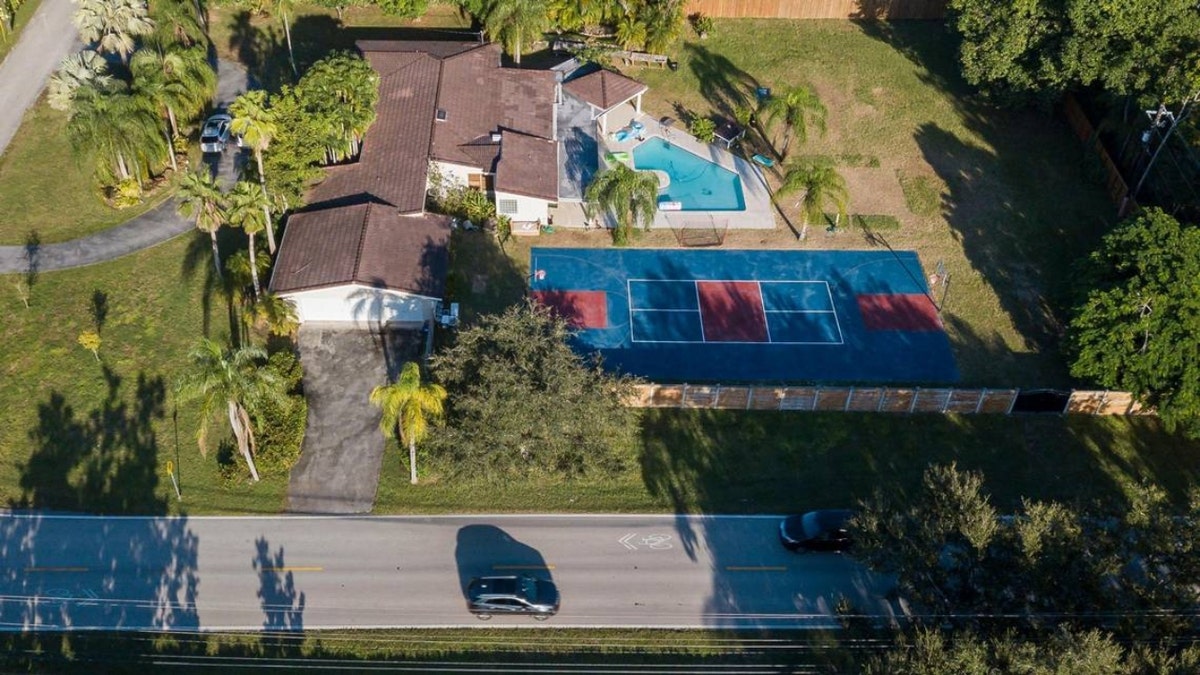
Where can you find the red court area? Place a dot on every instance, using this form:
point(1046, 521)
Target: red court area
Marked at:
point(581, 309)
point(732, 311)
point(914, 312)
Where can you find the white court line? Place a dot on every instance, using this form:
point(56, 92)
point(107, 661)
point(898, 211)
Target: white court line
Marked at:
point(762, 304)
point(840, 340)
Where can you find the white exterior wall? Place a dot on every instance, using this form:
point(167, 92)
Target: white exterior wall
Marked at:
point(529, 209)
point(364, 306)
point(454, 174)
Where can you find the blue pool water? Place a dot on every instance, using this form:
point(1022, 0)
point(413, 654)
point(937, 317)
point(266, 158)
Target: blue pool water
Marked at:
point(696, 183)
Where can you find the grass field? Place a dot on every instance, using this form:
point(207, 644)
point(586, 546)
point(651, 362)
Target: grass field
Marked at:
point(82, 434)
point(45, 189)
point(1000, 197)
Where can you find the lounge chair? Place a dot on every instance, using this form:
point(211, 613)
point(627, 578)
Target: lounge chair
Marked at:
point(763, 160)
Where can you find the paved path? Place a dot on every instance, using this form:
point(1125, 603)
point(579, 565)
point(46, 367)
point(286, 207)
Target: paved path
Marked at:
point(295, 573)
point(338, 470)
point(156, 226)
point(45, 41)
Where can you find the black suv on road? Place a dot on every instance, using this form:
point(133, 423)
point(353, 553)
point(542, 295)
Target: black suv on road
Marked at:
point(488, 596)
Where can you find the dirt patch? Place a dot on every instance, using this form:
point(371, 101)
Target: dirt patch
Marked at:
point(874, 191)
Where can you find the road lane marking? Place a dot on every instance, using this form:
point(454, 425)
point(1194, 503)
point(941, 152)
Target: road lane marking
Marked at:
point(29, 570)
point(522, 567)
point(292, 568)
point(756, 568)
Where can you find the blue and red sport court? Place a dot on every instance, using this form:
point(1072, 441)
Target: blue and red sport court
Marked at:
point(677, 315)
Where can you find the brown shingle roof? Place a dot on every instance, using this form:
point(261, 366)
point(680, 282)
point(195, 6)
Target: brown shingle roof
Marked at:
point(368, 244)
point(480, 97)
point(521, 169)
point(604, 88)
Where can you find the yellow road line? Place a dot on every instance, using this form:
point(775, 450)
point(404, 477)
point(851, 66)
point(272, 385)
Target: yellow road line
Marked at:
point(522, 567)
point(55, 569)
point(760, 568)
point(293, 568)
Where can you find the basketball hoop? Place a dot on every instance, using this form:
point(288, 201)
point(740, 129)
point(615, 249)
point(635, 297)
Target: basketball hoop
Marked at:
point(539, 275)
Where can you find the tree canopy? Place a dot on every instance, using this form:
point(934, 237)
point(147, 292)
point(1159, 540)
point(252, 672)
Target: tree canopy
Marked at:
point(1133, 47)
point(1139, 328)
point(522, 402)
point(961, 562)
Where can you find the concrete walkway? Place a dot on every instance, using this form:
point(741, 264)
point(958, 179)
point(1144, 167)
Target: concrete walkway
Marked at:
point(156, 226)
point(44, 43)
point(339, 465)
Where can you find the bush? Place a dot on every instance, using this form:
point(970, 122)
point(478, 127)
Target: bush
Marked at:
point(701, 23)
point(279, 426)
point(703, 129)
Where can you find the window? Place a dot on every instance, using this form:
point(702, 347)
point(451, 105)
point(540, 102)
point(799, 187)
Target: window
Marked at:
point(441, 115)
point(507, 207)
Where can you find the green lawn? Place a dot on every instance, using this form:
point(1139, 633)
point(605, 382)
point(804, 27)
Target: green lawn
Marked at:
point(771, 462)
point(45, 189)
point(95, 436)
point(1002, 198)
point(24, 14)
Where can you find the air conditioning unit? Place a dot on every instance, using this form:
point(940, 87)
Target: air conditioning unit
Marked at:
point(450, 319)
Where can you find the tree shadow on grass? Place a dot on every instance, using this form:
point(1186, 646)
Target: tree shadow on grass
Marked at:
point(482, 276)
point(198, 259)
point(59, 573)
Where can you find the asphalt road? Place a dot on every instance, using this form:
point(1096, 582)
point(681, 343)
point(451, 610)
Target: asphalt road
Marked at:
point(295, 573)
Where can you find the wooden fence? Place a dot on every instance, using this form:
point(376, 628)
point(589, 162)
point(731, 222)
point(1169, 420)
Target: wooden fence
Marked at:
point(870, 399)
point(819, 9)
point(1114, 182)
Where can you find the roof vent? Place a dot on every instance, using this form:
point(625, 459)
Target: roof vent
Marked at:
point(441, 114)
point(496, 136)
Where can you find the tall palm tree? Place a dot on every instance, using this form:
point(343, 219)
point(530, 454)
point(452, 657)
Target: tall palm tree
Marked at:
point(86, 67)
point(631, 32)
point(177, 24)
point(797, 107)
point(200, 198)
point(113, 25)
point(121, 129)
point(284, 8)
point(632, 196)
point(515, 23)
point(179, 80)
point(821, 184)
point(664, 24)
point(254, 121)
point(342, 91)
point(248, 210)
point(409, 406)
point(234, 378)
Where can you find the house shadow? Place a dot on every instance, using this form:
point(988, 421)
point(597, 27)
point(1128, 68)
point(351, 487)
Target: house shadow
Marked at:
point(486, 550)
point(86, 574)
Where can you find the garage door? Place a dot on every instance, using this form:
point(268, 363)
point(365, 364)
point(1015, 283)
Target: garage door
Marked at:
point(366, 307)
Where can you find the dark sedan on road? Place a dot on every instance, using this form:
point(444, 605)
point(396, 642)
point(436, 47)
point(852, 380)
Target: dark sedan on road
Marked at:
point(817, 531)
point(489, 596)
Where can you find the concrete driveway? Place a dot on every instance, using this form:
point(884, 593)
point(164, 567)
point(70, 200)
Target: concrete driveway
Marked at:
point(338, 471)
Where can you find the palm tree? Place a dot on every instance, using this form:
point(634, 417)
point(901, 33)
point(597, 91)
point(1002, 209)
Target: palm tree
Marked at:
point(821, 184)
point(797, 107)
point(631, 32)
point(284, 7)
point(342, 90)
point(81, 68)
point(232, 377)
point(177, 23)
point(515, 23)
point(200, 198)
point(121, 129)
point(632, 196)
point(664, 23)
point(409, 406)
point(248, 210)
point(255, 123)
point(179, 80)
point(276, 313)
point(113, 25)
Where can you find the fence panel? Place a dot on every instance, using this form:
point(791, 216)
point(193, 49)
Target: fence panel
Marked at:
point(869, 399)
point(820, 9)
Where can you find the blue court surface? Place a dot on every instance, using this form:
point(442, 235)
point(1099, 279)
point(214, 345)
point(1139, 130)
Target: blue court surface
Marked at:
point(677, 315)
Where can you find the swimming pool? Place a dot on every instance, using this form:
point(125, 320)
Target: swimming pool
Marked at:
point(696, 183)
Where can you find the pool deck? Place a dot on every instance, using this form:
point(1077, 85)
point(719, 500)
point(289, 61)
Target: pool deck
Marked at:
point(759, 213)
